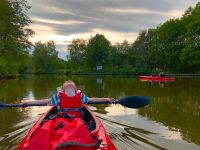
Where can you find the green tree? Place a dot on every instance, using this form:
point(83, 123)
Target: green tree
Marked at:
point(120, 53)
point(97, 51)
point(167, 44)
point(116, 58)
point(77, 52)
point(124, 57)
point(140, 48)
point(45, 57)
point(14, 34)
point(190, 54)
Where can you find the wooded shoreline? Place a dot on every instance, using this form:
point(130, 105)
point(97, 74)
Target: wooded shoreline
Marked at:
point(172, 47)
point(99, 74)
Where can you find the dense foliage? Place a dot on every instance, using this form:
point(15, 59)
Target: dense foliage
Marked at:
point(77, 51)
point(15, 57)
point(45, 58)
point(14, 36)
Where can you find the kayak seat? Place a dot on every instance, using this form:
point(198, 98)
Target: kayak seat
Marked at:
point(154, 75)
point(91, 125)
point(88, 119)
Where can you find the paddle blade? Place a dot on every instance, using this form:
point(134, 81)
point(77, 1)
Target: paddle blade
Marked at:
point(1, 106)
point(134, 101)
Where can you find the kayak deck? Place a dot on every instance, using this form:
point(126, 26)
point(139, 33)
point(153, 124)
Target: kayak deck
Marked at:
point(93, 124)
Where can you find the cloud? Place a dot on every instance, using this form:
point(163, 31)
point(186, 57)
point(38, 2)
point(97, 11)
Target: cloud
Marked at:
point(64, 20)
point(57, 22)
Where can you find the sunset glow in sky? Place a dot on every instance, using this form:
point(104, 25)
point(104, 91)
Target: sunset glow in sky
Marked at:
point(64, 20)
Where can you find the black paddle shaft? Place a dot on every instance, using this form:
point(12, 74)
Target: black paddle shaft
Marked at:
point(130, 101)
point(22, 105)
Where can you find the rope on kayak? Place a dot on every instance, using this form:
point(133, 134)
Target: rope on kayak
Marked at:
point(68, 144)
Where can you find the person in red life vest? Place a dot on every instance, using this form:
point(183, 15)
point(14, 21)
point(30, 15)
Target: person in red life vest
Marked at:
point(70, 99)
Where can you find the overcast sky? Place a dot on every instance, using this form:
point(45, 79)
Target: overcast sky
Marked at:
point(64, 20)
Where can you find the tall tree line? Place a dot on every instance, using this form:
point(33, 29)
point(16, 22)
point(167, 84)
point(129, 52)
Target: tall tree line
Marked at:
point(173, 47)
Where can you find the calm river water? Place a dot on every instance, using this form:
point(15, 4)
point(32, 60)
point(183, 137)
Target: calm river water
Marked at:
point(171, 121)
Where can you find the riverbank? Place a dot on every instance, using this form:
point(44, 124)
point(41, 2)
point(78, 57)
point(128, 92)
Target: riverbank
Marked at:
point(131, 73)
point(8, 77)
point(184, 75)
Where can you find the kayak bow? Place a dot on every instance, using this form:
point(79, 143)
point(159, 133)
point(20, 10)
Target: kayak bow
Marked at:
point(96, 138)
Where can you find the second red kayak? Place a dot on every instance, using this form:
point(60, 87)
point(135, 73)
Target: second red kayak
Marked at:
point(156, 78)
point(55, 131)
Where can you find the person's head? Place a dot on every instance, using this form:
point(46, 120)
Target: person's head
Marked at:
point(69, 88)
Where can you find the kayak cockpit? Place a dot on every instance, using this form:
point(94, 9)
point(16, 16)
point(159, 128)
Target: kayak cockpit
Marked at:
point(87, 117)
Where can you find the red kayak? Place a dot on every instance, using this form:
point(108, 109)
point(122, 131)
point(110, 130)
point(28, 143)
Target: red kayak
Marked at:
point(59, 131)
point(156, 78)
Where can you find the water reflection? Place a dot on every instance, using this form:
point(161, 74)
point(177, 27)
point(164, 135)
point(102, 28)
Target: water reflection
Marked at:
point(126, 133)
point(172, 118)
point(155, 83)
point(177, 114)
point(117, 110)
point(99, 80)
